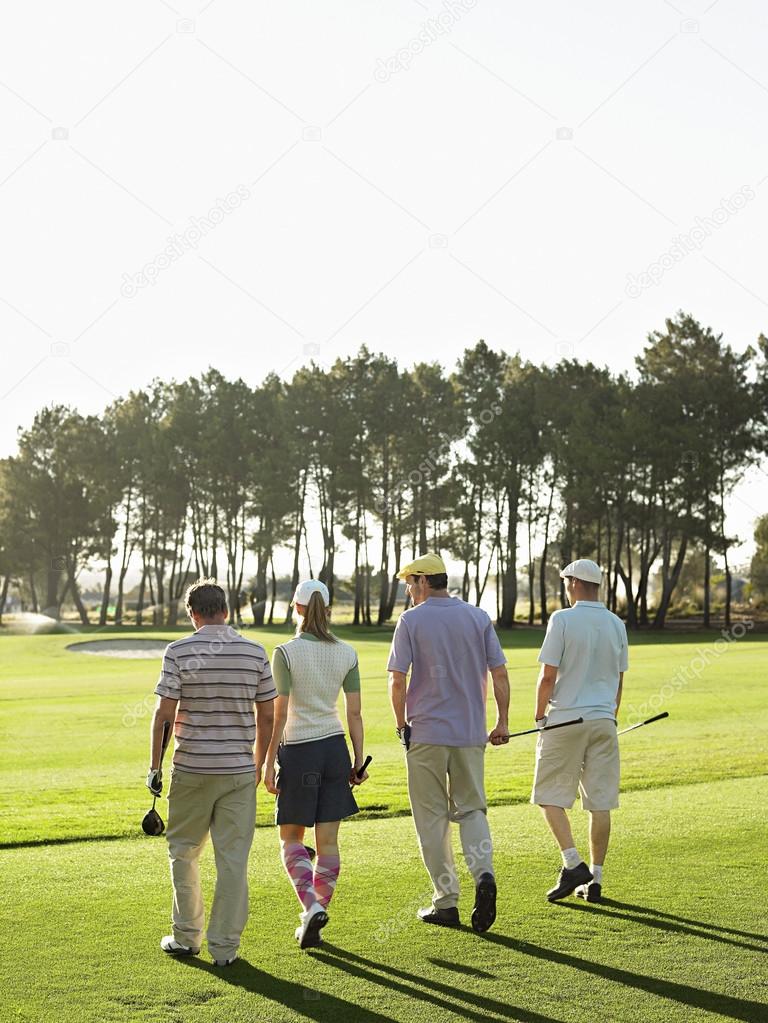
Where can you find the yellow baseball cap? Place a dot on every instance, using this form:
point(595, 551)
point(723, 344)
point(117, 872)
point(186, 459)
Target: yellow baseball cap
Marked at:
point(427, 564)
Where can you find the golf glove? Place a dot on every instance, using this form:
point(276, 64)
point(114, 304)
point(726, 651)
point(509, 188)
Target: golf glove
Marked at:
point(404, 735)
point(155, 781)
point(541, 722)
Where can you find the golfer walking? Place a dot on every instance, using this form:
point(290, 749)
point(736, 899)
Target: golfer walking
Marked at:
point(307, 764)
point(449, 647)
point(207, 689)
point(583, 658)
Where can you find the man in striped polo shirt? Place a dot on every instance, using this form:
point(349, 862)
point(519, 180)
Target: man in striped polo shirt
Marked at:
point(207, 689)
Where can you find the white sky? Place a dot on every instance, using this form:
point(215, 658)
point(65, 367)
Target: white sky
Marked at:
point(415, 214)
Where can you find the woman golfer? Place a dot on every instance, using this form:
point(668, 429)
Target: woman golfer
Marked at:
point(314, 770)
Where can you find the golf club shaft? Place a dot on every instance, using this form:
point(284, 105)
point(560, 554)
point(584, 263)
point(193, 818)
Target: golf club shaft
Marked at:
point(166, 736)
point(366, 762)
point(547, 728)
point(163, 745)
point(656, 717)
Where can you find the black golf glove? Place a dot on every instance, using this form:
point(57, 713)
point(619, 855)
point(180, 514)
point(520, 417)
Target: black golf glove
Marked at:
point(155, 781)
point(404, 735)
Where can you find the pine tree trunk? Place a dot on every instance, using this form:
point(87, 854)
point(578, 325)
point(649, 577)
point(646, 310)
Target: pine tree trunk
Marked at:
point(273, 590)
point(106, 595)
point(423, 542)
point(33, 592)
point(670, 576)
point(52, 602)
point(728, 580)
point(509, 578)
point(84, 620)
point(4, 595)
point(259, 594)
point(385, 515)
point(140, 601)
point(297, 534)
point(531, 565)
point(545, 551)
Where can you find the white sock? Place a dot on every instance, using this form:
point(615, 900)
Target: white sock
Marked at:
point(596, 870)
point(571, 858)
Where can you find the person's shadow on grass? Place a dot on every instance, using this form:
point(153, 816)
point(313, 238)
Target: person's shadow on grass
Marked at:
point(437, 994)
point(685, 994)
point(309, 1003)
point(628, 906)
point(665, 922)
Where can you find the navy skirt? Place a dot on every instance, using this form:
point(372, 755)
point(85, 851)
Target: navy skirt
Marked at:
point(313, 779)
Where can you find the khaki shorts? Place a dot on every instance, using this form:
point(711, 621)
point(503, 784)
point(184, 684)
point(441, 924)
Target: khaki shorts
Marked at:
point(581, 757)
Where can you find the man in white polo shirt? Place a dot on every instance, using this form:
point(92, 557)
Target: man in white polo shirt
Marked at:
point(208, 687)
point(583, 658)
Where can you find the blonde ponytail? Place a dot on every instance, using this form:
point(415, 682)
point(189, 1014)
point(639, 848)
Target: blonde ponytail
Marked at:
point(316, 619)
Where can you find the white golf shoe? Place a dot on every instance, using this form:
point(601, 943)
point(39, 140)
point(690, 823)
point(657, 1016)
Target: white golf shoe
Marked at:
point(173, 948)
point(312, 922)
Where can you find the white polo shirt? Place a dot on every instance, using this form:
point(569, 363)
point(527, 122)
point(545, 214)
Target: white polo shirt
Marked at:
point(587, 644)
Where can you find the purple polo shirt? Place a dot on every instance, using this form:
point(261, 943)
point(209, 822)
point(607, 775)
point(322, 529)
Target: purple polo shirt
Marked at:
point(449, 646)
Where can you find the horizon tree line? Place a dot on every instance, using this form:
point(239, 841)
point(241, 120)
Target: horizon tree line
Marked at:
point(488, 463)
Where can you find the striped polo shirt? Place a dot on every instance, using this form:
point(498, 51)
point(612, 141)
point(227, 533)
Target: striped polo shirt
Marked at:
point(216, 675)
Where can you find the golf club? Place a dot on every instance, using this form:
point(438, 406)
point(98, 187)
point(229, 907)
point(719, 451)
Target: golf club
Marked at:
point(152, 824)
point(366, 762)
point(546, 728)
point(657, 717)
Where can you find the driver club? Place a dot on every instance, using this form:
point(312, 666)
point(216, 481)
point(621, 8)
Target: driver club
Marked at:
point(152, 824)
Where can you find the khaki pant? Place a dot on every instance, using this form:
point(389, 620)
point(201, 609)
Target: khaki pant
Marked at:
point(445, 783)
point(583, 758)
point(223, 805)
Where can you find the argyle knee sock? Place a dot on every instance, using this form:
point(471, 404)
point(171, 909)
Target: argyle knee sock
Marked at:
point(299, 870)
point(326, 875)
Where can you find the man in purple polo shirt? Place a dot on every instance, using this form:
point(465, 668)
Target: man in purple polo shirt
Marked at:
point(449, 647)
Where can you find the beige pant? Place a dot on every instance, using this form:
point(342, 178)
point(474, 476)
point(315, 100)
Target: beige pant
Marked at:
point(223, 805)
point(445, 783)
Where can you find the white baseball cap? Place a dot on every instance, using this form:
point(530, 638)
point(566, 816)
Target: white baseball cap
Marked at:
point(584, 569)
point(305, 590)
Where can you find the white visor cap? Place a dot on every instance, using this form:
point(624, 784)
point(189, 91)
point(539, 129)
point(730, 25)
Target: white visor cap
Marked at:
point(305, 590)
point(584, 569)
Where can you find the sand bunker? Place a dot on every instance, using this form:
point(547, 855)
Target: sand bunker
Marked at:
point(130, 649)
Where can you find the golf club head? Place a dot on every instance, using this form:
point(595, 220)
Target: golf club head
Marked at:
point(152, 823)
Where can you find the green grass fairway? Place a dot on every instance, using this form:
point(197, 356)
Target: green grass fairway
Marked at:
point(681, 941)
point(683, 937)
point(74, 728)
